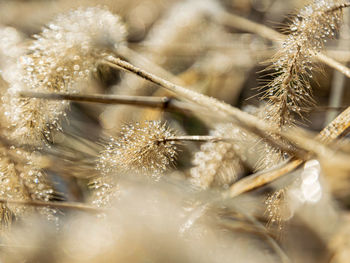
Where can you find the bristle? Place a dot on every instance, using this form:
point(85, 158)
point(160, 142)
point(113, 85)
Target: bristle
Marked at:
point(290, 92)
point(141, 148)
point(276, 206)
point(105, 190)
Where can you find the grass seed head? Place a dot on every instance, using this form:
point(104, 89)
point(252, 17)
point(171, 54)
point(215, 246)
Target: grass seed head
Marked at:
point(60, 59)
point(289, 93)
point(218, 163)
point(140, 148)
point(22, 180)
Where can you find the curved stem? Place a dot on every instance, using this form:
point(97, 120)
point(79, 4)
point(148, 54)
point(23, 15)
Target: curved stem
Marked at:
point(335, 129)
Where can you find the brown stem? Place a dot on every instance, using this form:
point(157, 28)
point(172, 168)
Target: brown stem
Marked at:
point(165, 103)
point(299, 145)
point(259, 179)
point(220, 109)
point(338, 7)
point(336, 128)
point(333, 130)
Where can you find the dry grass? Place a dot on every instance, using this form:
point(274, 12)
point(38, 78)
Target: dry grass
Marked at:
point(140, 131)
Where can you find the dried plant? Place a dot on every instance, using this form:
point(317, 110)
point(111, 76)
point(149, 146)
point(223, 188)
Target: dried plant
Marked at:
point(290, 91)
point(22, 180)
point(62, 58)
point(275, 208)
point(219, 163)
point(141, 148)
point(106, 196)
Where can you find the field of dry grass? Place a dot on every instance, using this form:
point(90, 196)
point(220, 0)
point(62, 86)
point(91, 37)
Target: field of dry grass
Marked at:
point(174, 131)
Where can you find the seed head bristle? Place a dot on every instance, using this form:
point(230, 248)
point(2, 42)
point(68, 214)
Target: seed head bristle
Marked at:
point(289, 93)
point(105, 189)
point(275, 209)
point(61, 57)
point(141, 148)
point(269, 156)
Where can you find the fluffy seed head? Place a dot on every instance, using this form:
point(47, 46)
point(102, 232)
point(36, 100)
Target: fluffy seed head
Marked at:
point(141, 148)
point(61, 57)
point(22, 179)
point(218, 163)
point(290, 91)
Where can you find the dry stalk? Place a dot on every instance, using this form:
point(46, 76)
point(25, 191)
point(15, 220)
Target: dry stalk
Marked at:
point(301, 146)
point(59, 59)
point(163, 103)
point(58, 205)
point(338, 81)
point(289, 93)
point(335, 129)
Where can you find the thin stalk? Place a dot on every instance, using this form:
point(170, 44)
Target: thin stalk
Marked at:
point(164, 103)
point(302, 145)
point(259, 179)
point(195, 138)
point(335, 129)
point(339, 55)
point(63, 205)
point(274, 245)
point(338, 82)
point(244, 24)
point(142, 61)
point(338, 7)
point(328, 108)
point(225, 112)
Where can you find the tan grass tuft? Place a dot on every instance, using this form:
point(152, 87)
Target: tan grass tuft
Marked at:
point(290, 91)
point(140, 148)
point(219, 163)
point(60, 59)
